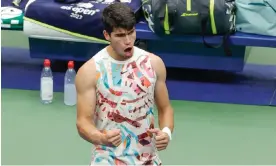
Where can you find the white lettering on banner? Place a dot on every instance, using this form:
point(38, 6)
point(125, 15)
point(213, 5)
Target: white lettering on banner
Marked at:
point(107, 2)
point(126, 1)
point(80, 10)
point(103, 1)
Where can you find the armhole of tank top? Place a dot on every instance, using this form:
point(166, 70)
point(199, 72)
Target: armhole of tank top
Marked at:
point(97, 69)
point(153, 70)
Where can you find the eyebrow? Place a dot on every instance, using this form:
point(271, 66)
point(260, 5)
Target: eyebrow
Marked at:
point(132, 30)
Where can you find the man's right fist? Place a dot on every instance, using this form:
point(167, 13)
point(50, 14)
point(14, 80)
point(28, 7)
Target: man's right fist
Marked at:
point(113, 137)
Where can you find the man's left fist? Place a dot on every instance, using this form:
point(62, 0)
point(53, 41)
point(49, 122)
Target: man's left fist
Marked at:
point(162, 139)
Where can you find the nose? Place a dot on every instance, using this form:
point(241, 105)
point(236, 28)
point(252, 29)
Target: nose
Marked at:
point(127, 40)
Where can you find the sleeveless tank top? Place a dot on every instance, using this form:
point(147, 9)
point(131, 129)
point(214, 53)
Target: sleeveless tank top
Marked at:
point(125, 101)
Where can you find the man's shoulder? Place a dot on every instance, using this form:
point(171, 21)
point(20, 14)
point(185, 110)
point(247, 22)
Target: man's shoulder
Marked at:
point(145, 53)
point(86, 75)
point(154, 59)
point(87, 67)
point(157, 63)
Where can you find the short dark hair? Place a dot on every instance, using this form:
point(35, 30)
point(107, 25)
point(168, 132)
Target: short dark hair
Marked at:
point(118, 15)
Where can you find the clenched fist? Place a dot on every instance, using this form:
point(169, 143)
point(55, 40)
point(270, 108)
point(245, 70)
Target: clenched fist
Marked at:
point(161, 138)
point(113, 137)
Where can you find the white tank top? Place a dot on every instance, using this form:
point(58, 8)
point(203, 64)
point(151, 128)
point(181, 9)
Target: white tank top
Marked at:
point(125, 101)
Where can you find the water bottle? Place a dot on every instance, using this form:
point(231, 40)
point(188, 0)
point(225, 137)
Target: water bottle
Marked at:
point(46, 83)
point(70, 95)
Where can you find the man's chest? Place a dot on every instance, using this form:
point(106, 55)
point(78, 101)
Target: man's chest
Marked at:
point(131, 80)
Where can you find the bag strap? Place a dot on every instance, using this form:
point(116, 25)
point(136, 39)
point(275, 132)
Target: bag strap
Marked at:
point(167, 16)
point(225, 39)
point(271, 3)
point(167, 12)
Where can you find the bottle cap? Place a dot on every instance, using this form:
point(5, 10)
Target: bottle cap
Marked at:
point(47, 63)
point(71, 64)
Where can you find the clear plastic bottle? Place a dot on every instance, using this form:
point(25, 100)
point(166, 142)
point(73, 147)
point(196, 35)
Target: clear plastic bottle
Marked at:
point(70, 95)
point(46, 83)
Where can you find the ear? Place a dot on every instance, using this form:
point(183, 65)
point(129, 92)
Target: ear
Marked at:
point(106, 35)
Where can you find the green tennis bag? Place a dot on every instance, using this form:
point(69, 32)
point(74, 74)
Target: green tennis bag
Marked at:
point(211, 17)
point(191, 17)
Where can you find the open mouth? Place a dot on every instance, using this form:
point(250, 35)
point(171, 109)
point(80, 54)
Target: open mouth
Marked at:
point(128, 49)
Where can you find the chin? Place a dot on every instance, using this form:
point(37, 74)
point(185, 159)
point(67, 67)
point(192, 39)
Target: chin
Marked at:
point(128, 56)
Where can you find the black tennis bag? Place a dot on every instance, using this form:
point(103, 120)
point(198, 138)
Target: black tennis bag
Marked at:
point(191, 17)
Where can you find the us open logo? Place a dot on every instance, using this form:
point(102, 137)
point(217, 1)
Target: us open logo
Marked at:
point(81, 9)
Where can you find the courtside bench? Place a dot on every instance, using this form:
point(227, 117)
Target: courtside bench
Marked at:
point(240, 84)
point(176, 51)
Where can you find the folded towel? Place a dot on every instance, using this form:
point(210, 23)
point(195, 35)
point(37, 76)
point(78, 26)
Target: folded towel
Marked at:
point(11, 18)
point(82, 19)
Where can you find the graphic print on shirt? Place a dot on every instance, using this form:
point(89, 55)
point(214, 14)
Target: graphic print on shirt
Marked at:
point(125, 100)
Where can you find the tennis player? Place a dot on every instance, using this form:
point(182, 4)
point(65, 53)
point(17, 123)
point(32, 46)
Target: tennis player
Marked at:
point(117, 90)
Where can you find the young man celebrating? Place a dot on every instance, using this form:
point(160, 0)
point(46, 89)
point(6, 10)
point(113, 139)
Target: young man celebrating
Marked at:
point(117, 90)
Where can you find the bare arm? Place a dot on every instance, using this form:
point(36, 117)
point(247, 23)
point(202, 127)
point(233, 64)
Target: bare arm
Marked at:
point(86, 103)
point(165, 111)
